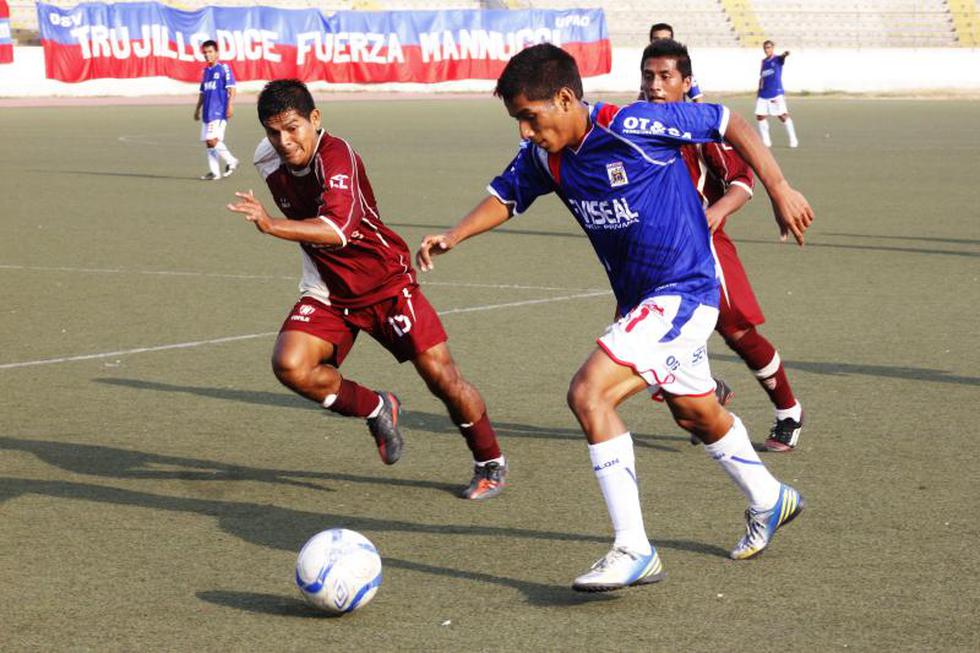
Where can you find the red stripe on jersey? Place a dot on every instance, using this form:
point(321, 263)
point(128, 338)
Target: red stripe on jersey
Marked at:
point(554, 165)
point(604, 116)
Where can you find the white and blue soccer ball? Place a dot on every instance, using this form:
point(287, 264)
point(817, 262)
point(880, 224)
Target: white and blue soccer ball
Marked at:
point(338, 570)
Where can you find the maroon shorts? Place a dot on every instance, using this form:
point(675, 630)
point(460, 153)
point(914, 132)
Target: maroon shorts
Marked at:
point(738, 308)
point(406, 324)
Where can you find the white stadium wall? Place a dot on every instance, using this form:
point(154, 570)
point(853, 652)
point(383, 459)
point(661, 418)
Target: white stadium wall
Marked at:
point(892, 70)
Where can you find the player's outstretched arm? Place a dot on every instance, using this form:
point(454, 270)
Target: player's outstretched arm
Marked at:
point(488, 214)
point(791, 210)
point(313, 230)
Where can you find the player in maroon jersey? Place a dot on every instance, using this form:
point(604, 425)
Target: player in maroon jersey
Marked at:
point(725, 184)
point(357, 276)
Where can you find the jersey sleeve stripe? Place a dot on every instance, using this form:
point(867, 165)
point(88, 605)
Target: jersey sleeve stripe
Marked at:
point(725, 117)
point(511, 204)
point(343, 238)
point(742, 184)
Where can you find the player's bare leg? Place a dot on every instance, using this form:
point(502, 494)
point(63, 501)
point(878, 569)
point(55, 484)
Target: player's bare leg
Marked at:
point(598, 387)
point(299, 362)
point(469, 412)
point(762, 358)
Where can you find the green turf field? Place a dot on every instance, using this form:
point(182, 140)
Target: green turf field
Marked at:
point(155, 500)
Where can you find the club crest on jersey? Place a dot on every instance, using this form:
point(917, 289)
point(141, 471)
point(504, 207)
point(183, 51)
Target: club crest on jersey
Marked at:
point(617, 174)
point(340, 181)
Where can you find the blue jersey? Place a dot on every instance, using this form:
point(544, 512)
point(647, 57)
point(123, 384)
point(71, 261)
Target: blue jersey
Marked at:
point(629, 189)
point(771, 77)
point(215, 83)
point(695, 91)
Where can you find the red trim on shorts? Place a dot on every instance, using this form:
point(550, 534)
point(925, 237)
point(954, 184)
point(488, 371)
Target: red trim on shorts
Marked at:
point(659, 395)
point(616, 360)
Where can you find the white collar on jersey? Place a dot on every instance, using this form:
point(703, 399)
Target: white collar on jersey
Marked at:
point(309, 166)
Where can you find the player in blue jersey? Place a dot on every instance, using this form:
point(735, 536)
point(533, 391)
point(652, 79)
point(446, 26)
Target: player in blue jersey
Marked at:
point(620, 174)
point(214, 109)
point(771, 100)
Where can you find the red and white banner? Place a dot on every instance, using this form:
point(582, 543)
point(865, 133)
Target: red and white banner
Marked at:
point(143, 39)
point(6, 42)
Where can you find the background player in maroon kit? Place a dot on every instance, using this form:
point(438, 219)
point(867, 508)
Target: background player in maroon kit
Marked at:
point(357, 275)
point(724, 181)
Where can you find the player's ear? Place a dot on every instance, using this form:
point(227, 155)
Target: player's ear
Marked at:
point(565, 98)
point(688, 82)
point(315, 118)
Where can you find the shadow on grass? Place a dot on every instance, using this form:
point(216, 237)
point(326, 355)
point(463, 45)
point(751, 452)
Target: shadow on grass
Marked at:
point(138, 175)
point(918, 374)
point(411, 419)
point(111, 462)
point(286, 529)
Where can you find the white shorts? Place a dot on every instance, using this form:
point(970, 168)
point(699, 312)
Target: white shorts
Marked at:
point(773, 106)
point(213, 129)
point(665, 341)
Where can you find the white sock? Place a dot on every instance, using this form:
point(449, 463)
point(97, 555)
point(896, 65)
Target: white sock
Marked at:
point(225, 153)
point(213, 164)
point(613, 464)
point(764, 131)
point(377, 409)
point(796, 412)
point(791, 130)
point(500, 461)
point(740, 461)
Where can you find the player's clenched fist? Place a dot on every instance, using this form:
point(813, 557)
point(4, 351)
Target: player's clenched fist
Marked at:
point(432, 246)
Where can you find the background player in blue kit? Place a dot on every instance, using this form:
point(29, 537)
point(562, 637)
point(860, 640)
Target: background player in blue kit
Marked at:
point(214, 109)
point(771, 100)
point(620, 174)
point(659, 32)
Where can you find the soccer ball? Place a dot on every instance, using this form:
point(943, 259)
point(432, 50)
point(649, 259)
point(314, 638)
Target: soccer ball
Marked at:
point(338, 570)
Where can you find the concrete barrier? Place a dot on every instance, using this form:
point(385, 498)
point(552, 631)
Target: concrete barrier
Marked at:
point(727, 70)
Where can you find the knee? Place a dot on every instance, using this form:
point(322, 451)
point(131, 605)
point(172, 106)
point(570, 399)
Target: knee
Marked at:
point(709, 421)
point(581, 397)
point(290, 368)
point(445, 381)
point(211, 143)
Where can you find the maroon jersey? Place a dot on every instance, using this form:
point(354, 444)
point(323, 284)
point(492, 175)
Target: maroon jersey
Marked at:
point(372, 263)
point(713, 168)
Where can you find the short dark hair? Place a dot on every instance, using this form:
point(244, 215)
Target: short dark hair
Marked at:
point(767, 42)
point(210, 43)
point(669, 49)
point(657, 27)
point(282, 95)
point(538, 73)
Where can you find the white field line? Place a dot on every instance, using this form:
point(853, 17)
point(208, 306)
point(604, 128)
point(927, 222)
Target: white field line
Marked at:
point(214, 341)
point(221, 275)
